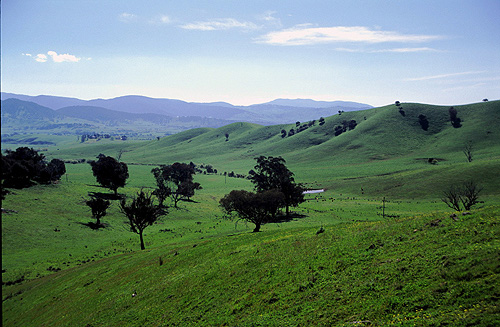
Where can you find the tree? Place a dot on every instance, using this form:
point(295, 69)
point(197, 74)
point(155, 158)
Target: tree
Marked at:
point(177, 179)
point(452, 198)
point(109, 172)
point(25, 167)
point(338, 130)
point(141, 213)
point(455, 121)
point(257, 208)
point(271, 173)
point(424, 123)
point(98, 206)
point(468, 151)
point(283, 133)
point(321, 121)
point(470, 194)
point(466, 195)
point(52, 172)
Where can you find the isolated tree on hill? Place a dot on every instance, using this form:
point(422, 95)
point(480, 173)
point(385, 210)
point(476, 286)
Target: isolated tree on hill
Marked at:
point(468, 151)
point(455, 121)
point(424, 123)
point(257, 208)
point(141, 213)
point(110, 173)
point(177, 180)
point(98, 206)
point(271, 173)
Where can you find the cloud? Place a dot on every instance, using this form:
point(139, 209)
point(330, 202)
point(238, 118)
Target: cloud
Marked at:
point(63, 57)
point(219, 24)
point(426, 78)
point(127, 17)
point(306, 35)
point(41, 57)
point(55, 57)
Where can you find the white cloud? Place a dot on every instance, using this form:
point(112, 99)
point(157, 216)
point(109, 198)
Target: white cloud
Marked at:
point(41, 57)
point(127, 17)
point(55, 57)
point(425, 78)
point(219, 24)
point(306, 35)
point(63, 57)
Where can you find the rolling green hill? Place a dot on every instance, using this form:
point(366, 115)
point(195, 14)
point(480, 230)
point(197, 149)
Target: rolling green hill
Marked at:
point(384, 146)
point(417, 266)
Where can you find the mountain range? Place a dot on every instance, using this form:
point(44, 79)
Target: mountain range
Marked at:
point(168, 112)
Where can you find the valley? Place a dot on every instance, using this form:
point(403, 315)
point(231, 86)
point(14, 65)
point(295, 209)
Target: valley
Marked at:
point(338, 261)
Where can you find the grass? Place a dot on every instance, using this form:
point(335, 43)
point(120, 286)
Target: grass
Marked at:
point(416, 266)
point(426, 270)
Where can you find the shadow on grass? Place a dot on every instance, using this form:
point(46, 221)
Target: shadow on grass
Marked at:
point(284, 218)
point(106, 196)
point(94, 226)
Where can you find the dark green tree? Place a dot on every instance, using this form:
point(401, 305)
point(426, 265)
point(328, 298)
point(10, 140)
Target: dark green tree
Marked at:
point(177, 179)
point(141, 213)
point(424, 123)
point(98, 206)
point(257, 208)
point(455, 120)
point(271, 173)
point(25, 167)
point(110, 173)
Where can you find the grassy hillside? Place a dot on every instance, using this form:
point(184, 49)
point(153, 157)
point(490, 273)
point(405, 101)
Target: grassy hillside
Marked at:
point(416, 266)
point(386, 149)
point(418, 271)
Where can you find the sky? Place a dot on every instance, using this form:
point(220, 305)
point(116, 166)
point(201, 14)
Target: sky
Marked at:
point(443, 52)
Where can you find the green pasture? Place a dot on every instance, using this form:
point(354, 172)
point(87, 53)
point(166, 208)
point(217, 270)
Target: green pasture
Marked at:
point(413, 266)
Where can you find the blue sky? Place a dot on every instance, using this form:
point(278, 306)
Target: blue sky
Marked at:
point(247, 52)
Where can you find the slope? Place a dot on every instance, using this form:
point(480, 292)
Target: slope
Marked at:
point(386, 149)
point(422, 270)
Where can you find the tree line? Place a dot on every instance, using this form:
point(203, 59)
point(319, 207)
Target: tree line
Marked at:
point(25, 167)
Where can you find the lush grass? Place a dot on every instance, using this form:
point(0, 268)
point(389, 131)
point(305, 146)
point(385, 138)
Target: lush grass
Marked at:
point(426, 270)
point(364, 267)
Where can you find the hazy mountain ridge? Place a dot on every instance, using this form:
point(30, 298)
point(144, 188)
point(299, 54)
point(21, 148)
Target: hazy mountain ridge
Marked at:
point(20, 116)
point(275, 112)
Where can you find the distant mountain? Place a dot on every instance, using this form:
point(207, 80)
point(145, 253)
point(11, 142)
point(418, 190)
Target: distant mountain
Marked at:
point(99, 114)
point(308, 103)
point(18, 110)
point(49, 101)
point(20, 116)
point(278, 111)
